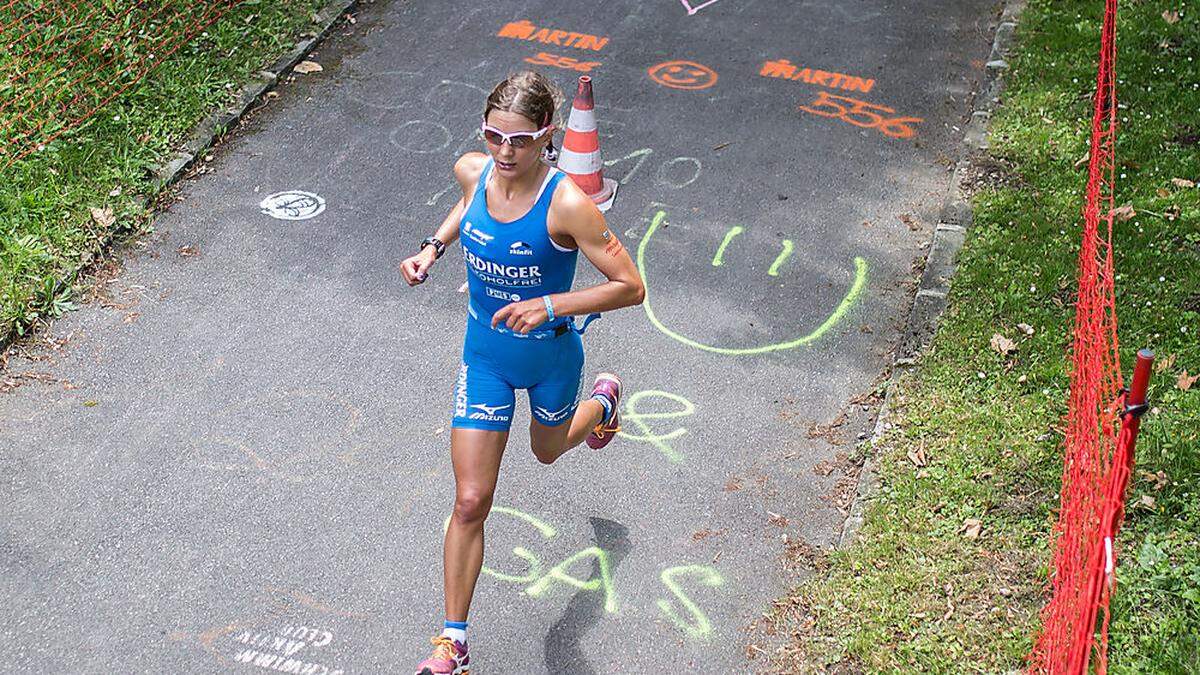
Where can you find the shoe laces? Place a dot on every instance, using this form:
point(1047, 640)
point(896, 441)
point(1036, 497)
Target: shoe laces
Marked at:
point(443, 647)
point(601, 431)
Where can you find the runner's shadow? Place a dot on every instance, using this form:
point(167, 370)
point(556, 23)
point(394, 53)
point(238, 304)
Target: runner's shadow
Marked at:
point(562, 652)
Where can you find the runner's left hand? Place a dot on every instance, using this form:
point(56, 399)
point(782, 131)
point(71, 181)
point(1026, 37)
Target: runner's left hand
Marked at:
point(521, 317)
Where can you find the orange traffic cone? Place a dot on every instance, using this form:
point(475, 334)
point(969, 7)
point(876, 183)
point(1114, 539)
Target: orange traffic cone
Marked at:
point(580, 155)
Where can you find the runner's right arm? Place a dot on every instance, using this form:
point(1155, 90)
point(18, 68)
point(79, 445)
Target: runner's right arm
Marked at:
point(466, 172)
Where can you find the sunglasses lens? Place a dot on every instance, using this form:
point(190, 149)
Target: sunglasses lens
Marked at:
point(520, 141)
point(493, 137)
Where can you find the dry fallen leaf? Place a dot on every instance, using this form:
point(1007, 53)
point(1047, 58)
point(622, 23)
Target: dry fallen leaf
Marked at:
point(1170, 16)
point(1185, 382)
point(1025, 328)
point(1124, 212)
point(103, 216)
point(306, 67)
point(1003, 345)
point(949, 603)
point(1146, 502)
point(1165, 364)
point(1163, 192)
point(1159, 479)
point(917, 457)
point(971, 528)
point(824, 467)
point(115, 192)
point(1183, 183)
point(1083, 160)
point(187, 251)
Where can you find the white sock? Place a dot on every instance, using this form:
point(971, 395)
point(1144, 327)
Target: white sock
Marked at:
point(607, 404)
point(459, 634)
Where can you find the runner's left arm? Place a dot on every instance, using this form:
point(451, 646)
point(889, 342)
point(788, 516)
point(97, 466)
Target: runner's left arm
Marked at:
point(574, 216)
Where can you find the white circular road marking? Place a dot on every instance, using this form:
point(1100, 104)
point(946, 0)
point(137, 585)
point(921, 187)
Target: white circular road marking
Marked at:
point(292, 205)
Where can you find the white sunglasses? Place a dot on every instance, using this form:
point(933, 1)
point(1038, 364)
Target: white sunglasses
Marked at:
point(517, 139)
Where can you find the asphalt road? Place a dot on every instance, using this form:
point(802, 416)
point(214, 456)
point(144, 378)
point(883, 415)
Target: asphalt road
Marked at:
point(237, 459)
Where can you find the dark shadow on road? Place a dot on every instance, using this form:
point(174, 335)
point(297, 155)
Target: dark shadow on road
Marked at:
point(586, 608)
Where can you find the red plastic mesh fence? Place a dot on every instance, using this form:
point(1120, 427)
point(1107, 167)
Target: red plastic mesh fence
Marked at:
point(63, 61)
point(1098, 450)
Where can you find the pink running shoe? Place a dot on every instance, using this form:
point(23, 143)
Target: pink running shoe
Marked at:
point(608, 386)
point(449, 658)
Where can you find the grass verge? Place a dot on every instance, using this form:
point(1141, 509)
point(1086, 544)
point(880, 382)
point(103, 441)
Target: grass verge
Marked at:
point(977, 434)
point(59, 207)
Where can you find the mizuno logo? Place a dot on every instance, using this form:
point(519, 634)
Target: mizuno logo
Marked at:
point(490, 409)
point(556, 415)
point(489, 413)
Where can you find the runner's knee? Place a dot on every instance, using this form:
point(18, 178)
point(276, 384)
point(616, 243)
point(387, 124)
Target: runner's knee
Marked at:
point(471, 507)
point(547, 452)
point(548, 443)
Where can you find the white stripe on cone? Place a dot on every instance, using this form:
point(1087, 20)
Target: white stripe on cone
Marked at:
point(579, 163)
point(582, 120)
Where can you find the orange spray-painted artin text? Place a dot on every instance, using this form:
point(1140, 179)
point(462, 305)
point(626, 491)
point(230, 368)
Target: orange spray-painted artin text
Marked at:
point(787, 70)
point(525, 30)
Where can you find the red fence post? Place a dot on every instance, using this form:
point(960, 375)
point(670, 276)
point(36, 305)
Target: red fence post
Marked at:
point(1137, 396)
point(1101, 573)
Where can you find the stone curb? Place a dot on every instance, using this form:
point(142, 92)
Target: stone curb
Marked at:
point(932, 291)
point(206, 133)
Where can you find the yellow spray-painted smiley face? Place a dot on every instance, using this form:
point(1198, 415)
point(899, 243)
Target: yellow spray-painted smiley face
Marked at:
point(848, 301)
point(683, 75)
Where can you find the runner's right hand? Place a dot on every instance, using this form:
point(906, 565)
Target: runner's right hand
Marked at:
point(416, 268)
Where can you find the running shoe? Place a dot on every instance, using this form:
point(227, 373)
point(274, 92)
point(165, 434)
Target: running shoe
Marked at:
point(449, 658)
point(608, 386)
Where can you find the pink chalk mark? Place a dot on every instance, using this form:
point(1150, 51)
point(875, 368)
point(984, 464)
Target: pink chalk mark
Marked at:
point(692, 10)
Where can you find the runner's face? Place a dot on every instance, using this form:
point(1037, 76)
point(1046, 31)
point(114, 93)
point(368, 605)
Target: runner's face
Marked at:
point(513, 162)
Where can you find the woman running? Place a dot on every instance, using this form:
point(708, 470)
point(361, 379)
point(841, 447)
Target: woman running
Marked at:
point(522, 225)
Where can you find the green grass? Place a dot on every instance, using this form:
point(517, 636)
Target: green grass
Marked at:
point(47, 231)
point(914, 593)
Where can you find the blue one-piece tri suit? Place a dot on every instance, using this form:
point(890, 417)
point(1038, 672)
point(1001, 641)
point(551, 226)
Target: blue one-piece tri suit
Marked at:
point(509, 262)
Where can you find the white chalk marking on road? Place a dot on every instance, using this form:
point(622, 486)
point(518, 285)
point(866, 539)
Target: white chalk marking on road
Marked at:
point(692, 10)
point(293, 205)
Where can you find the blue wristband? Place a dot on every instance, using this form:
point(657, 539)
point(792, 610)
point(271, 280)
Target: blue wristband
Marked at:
point(549, 308)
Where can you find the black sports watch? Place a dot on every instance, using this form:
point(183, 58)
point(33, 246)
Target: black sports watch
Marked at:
point(438, 247)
